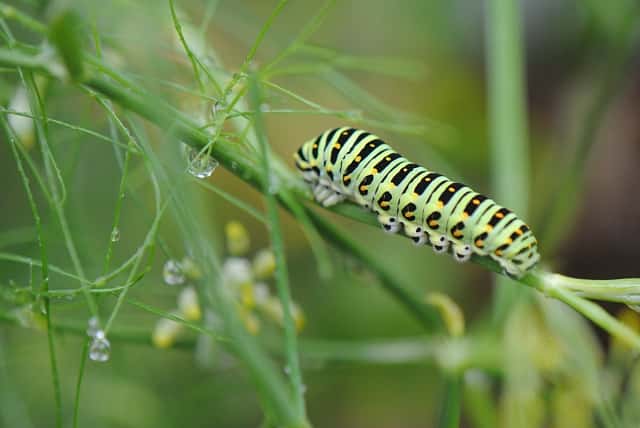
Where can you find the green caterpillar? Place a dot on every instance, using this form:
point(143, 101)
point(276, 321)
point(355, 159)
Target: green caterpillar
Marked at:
point(347, 163)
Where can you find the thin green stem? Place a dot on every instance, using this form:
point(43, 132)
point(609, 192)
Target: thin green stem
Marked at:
point(185, 46)
point(83, 361)
point(452, 401)
point(277, 243)
point(254, 48)
point(508, 128)
point(44, 287)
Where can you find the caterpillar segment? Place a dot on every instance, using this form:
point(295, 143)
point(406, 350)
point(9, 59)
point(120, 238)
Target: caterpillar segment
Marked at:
point(353, 164)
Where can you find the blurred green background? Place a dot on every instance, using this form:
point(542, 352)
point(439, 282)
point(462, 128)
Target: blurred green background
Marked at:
point(415, 63)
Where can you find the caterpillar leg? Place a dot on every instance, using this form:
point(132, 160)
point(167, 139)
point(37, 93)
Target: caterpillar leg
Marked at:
point(388, 223)
point(440, 243)
point(320, 192)
point(462, 252)
point(416, 233)
point(333, 199)
point(327, 196)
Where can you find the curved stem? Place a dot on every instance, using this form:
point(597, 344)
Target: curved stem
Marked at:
point(159, 112)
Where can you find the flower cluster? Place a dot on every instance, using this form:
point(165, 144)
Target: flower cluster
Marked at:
point(246, 278)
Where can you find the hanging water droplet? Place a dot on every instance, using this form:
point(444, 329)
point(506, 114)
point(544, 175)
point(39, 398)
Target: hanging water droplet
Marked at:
point(115, 234)
point(172, 273)
point(201, 165)
point(100, 348)
point(635, 307)
point(93, 326)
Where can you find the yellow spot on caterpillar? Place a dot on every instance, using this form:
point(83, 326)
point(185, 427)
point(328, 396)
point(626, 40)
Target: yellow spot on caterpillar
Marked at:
point(427, 179)
point(358, 158)
point(392, 186)
point(415, 196)
point(457, 233)
point(440, 205)
point(488, 228)
point(329, 168)
point(433, 223)
point(363, 188)
point(408, 214)
point(388, 159)
point(384, 204)
point(345, 132)
point(465, 215)
point(374, 171)
point(337, 145)
point(509, 241)
point(519, 232)
point(404, 170)
point(479, 243)
point(476, 202)
point(452, 189)
point(499, 215)
point(498, 253)
point(315, 146)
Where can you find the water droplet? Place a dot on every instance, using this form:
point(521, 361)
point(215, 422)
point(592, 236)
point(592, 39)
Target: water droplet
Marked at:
point(172, 273)
point(287, 370)
point(115, 234)
point(201, 165)
point(635, 307)
point(100, 348)
point(93, 327)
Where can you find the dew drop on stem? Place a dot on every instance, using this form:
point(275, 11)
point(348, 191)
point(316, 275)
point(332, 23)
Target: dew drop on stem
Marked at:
point(200, 165)
point(100, 348)
point(115, 234)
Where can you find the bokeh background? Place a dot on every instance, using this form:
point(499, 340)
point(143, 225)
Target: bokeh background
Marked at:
point(415, 59)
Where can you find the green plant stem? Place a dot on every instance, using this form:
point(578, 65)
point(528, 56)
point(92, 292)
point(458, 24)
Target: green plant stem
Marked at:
point(83, 362)
point(44, 287)
point(452, 400)
point(185, 46)
point(164, 116)
point(508, 129)
point(277, 243)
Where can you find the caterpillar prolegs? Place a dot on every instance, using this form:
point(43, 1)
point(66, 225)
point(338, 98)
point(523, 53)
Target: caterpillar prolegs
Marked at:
point(347, 163)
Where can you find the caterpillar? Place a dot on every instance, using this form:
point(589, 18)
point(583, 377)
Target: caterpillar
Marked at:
point(353, 164)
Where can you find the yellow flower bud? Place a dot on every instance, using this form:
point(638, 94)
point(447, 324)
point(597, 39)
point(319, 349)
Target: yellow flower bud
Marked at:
point(165, 333)
point(237, 238)
point(188, 304)
point(264, 264)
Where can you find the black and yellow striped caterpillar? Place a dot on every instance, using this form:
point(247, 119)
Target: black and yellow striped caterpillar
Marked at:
point(347, 163)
